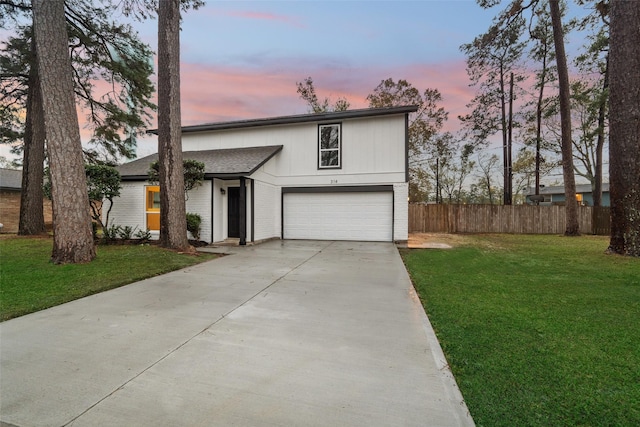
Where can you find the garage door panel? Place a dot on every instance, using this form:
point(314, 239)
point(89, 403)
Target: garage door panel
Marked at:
point(339, 216)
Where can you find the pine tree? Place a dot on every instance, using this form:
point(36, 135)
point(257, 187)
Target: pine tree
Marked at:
point(624, 139)
point(73, 237)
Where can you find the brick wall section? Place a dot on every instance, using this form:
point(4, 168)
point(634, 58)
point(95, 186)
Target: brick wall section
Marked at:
point(10, 211)
point(400, 212)
point(267, 211)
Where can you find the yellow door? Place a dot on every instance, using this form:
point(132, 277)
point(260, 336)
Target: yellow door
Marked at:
point(153, 207)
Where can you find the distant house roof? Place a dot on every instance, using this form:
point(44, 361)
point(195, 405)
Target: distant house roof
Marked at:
point(10, 179)
point(301, 118)
point(559, 189)
point(224, 163)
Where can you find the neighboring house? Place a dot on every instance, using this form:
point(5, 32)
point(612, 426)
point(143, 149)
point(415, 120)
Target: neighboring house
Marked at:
point(555, 195)
point(328, 176)
point(10, 192)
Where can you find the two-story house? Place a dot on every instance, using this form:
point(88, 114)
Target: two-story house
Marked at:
point(327, 176)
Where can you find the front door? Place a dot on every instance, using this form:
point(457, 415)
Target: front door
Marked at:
point(233, 212)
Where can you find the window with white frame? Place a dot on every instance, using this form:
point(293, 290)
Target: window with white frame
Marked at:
point(329, 145)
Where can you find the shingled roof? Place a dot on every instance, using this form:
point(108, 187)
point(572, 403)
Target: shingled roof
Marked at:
point(10, 179)
point(224, 163)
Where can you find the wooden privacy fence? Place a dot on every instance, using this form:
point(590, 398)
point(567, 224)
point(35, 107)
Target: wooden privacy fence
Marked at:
point(516, 219)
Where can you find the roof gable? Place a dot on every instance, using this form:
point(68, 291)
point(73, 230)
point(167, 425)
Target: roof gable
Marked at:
point(228, 162)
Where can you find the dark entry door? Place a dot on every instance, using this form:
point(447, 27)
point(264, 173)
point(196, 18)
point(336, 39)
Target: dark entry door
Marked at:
point(233, 211)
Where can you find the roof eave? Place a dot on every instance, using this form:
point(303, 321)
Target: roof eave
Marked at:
point(295, 119)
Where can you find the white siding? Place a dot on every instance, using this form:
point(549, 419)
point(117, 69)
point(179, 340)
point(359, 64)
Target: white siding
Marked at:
point(199, 202)
point(267, 211)
point(373, 151)
point(219, 211)
point(401, 212)
point(129, 208)
point(220, 208)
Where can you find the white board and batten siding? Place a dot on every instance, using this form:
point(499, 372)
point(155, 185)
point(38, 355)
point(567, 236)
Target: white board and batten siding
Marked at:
point(199, 202)
point(267, 211)
point(372, 151)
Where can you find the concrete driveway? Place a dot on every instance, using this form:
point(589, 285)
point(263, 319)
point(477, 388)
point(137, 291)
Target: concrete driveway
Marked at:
point(285, 333)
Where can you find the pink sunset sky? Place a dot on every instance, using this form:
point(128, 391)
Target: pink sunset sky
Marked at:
point(242, 59)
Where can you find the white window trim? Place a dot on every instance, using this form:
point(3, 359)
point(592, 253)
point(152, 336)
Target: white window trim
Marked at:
point(322, 150)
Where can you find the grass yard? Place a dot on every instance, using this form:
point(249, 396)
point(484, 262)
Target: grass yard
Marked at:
point(29, 282)
point(538, 330)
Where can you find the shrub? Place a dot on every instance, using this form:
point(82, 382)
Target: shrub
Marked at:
point(111, 233)
point(125, 232)
point(143, 235)
point(193, 225)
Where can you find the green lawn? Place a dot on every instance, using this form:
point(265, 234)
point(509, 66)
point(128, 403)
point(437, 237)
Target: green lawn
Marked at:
point(538, 330)
point(29, 282)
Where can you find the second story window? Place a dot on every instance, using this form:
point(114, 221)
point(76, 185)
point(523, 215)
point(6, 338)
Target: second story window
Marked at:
point(329, 145)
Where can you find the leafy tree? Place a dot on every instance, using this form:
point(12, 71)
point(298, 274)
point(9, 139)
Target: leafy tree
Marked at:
point(73, 237)
point(485, 189)
point(492, 60)
point(103, 182)
point(542, 52)
point(193, 174)
point(624, 139)
point(453, 167)
point(524, 172)
point(595, 61)
point(588, 137)
point(423, 126)
point(7, 164)
point(307, 92)
point(101, 50)
point(148, 9)
point(170, 174)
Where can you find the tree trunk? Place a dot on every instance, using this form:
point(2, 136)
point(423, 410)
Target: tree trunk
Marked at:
point(602, 112)
point(543, 81)
point(506, 197)
point(32, 195)
point(510, 142)
point(572, 225)
point(173, 219)
point(624, 127)
point(73, 239)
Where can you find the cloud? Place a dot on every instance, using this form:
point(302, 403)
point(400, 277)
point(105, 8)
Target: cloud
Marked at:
point(217, 93)
point(260, 16)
